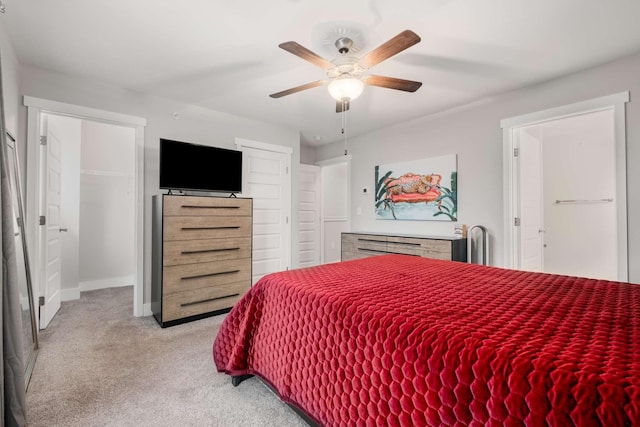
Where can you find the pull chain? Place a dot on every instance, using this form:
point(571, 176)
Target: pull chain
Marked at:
point(344, 124)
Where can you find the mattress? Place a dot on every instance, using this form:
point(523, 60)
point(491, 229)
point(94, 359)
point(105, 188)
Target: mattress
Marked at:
point(409, 341)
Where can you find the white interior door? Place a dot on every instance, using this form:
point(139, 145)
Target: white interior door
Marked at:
point(531, 228)
point(309, 215)
point(50, 242)
point(267, 180)
point(335, 183)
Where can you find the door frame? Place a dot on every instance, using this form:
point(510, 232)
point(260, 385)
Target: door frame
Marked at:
point(35, 108)
point(615, 102)
point(288, 197)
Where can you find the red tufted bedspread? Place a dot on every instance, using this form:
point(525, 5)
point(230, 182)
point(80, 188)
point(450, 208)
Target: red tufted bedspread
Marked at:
point(399, 340)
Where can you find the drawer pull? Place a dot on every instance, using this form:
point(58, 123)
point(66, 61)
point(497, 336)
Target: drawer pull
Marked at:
point(187, 304)
point(389, 242)
point(384, 252)
point(210, 207)
point(372, 240)
point(199, 276)
point(211, 228)
point(204, 251)
point(373, 250)
point(404, 243)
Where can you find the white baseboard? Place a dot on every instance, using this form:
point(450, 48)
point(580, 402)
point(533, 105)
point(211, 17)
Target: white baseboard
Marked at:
point(147, 309)
point(69, 294)
point(74, 294)
point(112, 282)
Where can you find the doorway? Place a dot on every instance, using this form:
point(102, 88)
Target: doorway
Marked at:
point(335, 187)
point(39, 112)
point(566, 190)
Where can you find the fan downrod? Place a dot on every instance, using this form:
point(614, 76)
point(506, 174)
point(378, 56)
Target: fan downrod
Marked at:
point(343, 44)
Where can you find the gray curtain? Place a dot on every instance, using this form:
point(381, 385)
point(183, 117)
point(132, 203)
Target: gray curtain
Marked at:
point(14, 408)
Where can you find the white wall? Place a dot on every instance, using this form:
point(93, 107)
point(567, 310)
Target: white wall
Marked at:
point(107, 200)
point(11, 99)
point(10, 82)
point(334, 191)
point(474, 133)
point(307, 155)
point(197, 125)
point(69, 131)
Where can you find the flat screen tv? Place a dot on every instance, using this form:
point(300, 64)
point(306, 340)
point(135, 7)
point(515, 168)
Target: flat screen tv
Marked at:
point(186, 166)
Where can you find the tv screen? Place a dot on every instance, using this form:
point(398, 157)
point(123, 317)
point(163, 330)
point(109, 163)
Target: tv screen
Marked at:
point(185, 166)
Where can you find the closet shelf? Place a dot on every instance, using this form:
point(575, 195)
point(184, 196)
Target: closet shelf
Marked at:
point(104, 173)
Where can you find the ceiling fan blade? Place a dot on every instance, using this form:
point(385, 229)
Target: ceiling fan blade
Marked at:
point(342, 106)
point(393, 83)
point(402, 41)
point(297, 89)
point(306, 54)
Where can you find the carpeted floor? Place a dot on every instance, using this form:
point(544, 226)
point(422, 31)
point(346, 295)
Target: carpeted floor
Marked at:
point(100, 366)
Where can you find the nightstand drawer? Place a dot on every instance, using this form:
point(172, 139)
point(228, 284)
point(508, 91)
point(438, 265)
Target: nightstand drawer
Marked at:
point(206, 206)
point(203, 227)
point(191, 303)
point(186, 277)
point(180, 252)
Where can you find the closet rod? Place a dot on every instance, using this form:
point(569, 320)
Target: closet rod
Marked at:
point(560, 202)
point(104, 173)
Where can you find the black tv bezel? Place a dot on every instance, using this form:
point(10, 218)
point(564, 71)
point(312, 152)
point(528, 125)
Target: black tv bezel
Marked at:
point(200, 189)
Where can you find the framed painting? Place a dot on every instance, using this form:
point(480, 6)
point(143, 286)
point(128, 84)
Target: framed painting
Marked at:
point(424, 189)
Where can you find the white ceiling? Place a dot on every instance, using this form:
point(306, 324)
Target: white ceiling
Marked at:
point(224, 55)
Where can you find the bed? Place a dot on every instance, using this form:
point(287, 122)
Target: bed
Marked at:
point(409, 341)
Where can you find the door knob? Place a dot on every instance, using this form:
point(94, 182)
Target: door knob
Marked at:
point(63, 230)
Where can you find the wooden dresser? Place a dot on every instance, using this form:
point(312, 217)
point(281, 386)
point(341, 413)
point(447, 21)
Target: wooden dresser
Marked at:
point(201, 256)
point(362, 245)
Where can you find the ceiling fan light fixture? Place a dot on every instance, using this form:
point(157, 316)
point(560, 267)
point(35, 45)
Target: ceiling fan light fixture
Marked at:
point(345, 87)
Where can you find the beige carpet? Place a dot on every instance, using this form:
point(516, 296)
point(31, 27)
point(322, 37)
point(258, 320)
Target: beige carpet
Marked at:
point(100, 366)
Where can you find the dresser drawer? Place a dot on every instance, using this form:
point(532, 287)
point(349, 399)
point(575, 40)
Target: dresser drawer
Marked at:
point(191, 303)
point(364, 242)
point(205, 227)
point(346, 256)
point(179, 252)
point(179, 278)
point(362, 245)
point(422, 247)
point(206, 206)
point(436, 255)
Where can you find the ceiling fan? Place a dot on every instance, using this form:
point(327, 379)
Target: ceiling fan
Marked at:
point(347, 74)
